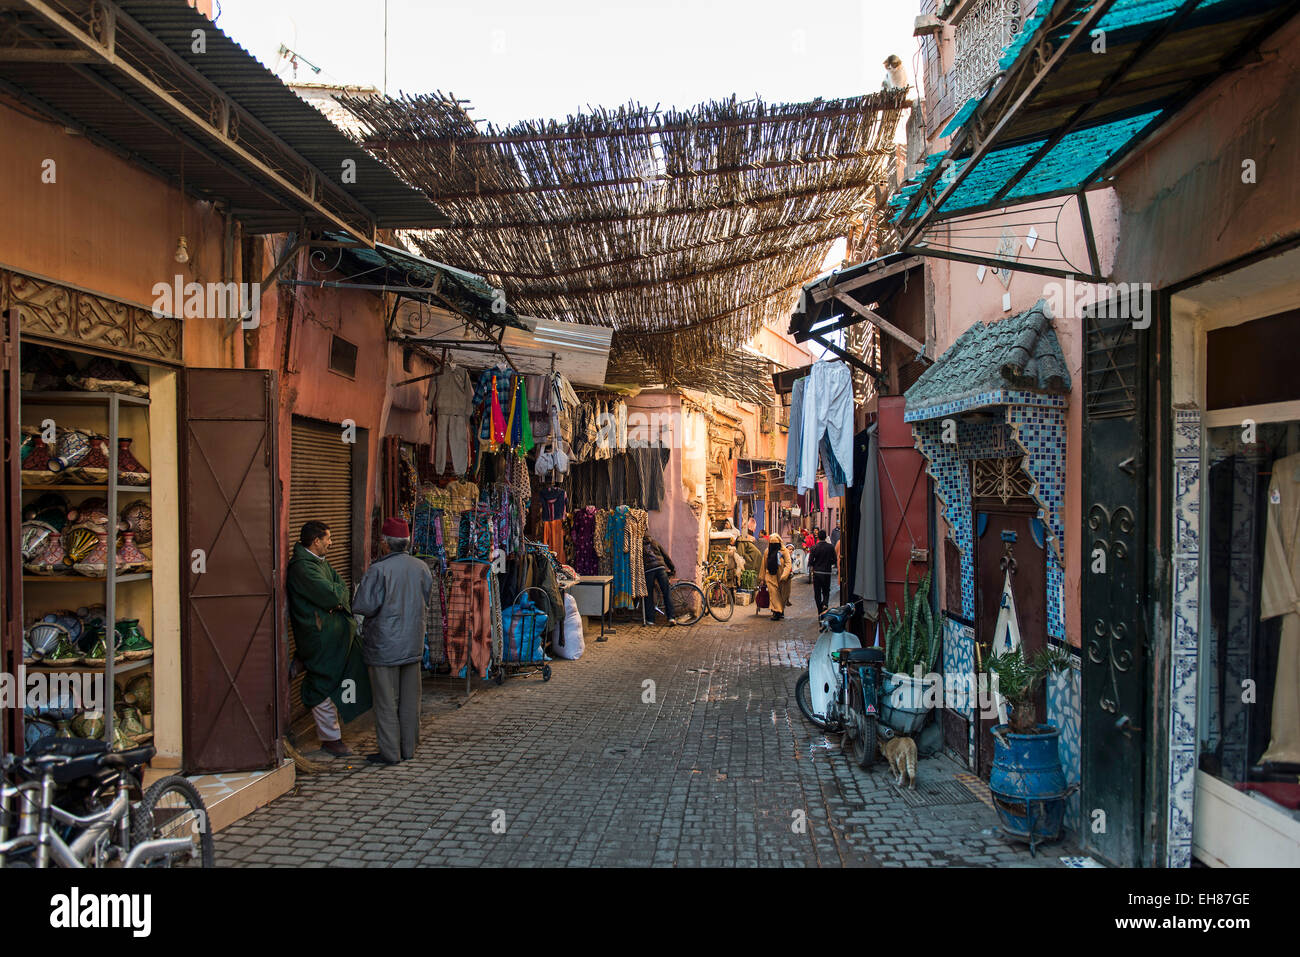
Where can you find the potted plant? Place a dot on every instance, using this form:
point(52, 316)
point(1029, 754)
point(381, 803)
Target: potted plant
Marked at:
point(1027, 783)
point(911, 651)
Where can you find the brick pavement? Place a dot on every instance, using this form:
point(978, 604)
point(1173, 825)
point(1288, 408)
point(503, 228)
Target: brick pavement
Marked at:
point(720, 769)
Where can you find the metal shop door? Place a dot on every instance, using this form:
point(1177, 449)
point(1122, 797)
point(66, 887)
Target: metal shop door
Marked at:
point(230, 650)
point(904, 501)
point(320, 489)
point(1114, 584)
point(1008, 537)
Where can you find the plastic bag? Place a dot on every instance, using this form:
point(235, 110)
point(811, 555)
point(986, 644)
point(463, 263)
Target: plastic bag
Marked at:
point(572, 647)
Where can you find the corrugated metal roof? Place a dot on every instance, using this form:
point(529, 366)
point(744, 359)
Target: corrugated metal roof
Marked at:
point(276, 129)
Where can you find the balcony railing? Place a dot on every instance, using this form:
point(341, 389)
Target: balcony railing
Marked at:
point(982, 35)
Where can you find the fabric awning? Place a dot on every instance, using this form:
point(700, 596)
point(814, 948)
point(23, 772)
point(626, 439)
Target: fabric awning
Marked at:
point(1081, 86)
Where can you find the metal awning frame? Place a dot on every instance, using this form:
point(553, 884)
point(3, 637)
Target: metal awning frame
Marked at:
point(1012, 91)
point(177, 89)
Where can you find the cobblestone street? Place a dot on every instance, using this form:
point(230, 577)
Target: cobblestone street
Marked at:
point(719, 770)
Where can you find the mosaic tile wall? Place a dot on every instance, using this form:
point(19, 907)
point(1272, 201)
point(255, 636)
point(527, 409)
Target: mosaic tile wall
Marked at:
point(1063, 697)
point(958, 666)
point(1035, 426)
point(1183, 650)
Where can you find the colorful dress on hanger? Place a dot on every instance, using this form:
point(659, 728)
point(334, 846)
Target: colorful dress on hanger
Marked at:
point(616, 545)
point(585, 559)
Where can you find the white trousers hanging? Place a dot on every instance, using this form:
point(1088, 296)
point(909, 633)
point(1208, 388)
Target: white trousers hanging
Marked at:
point(827, 409)
point(453, 430)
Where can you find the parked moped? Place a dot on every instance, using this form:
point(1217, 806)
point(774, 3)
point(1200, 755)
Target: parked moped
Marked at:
point(840, 691)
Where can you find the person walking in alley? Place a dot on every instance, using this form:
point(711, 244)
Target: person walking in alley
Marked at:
point(822, 562)
point(658, 567)
point(393, 598)
point(776, 576)
point(336, 686)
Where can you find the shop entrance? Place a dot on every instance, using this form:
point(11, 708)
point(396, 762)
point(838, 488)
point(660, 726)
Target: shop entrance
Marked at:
point(321, 489)
point(1008, 536)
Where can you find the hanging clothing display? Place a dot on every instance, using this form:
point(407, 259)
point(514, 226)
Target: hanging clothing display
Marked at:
point(623, 540)
point(554, 505)
point(827, 410)
point(583, 534)
point(1280, 596)
point(450, 401)
point(866, 547)
point(469, 631)
point(793, 456)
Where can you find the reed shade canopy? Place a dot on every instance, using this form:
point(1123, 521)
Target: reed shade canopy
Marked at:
point(684, 230)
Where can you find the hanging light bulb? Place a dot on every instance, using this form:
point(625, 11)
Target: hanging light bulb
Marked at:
point(182, 251)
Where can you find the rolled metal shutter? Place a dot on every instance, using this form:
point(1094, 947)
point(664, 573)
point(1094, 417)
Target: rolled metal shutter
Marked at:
point(320, 490)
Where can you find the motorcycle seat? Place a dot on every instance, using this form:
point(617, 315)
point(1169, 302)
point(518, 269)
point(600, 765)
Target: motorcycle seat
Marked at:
point(864, 655)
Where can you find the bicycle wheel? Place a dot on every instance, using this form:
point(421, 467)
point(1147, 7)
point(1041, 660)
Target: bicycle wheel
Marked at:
point(720, 600)
point(688, 602)
point(172, 808)
point(864, 725)
point(803, 697)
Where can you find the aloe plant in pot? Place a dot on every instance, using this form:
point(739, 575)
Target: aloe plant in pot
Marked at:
point(1028, 786)
point(912, 643)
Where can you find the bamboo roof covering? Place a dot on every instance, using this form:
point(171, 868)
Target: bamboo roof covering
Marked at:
point(684, 230)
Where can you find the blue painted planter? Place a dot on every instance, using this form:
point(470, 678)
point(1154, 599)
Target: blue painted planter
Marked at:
point(1028, 785)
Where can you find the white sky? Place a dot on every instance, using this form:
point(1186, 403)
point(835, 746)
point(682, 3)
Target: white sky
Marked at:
point(529, 59)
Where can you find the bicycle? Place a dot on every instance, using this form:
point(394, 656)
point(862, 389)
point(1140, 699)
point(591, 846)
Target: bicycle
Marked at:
point(42, 792)
point(719, 597)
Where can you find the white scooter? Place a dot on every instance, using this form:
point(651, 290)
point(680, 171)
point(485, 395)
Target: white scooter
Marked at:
point(839, 691)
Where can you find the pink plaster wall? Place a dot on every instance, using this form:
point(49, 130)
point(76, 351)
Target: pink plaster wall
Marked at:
point(960, 300)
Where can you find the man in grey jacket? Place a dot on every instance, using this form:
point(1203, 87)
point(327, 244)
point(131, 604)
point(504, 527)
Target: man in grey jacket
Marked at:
point(393, 598)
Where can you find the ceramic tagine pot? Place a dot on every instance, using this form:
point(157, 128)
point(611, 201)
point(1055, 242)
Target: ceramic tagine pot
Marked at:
point(129, 557)
point(93, 467)
point(129, 469)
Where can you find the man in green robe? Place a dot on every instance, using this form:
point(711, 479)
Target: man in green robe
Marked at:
point(337, 685)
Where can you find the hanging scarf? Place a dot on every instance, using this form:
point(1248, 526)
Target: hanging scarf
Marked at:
point(498, 420)
point(525, 443)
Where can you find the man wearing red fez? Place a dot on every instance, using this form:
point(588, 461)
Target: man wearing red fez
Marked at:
point(393, 598)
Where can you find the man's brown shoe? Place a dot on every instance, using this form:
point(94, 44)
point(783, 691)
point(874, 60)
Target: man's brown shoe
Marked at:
point(336, 748)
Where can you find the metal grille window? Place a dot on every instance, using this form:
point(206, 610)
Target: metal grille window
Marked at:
point(981, 37)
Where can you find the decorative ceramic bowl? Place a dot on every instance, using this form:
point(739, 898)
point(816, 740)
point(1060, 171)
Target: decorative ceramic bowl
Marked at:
point(34, 535)
point(89, 724)
point(44, 637)
point(37, 730)
point(138, 516)
point(139, 692)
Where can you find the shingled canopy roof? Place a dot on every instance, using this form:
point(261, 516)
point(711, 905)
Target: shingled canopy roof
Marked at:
point(685, 230)
point(1020, 353)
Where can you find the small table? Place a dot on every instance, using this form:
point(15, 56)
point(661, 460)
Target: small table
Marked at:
point(593, 594)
